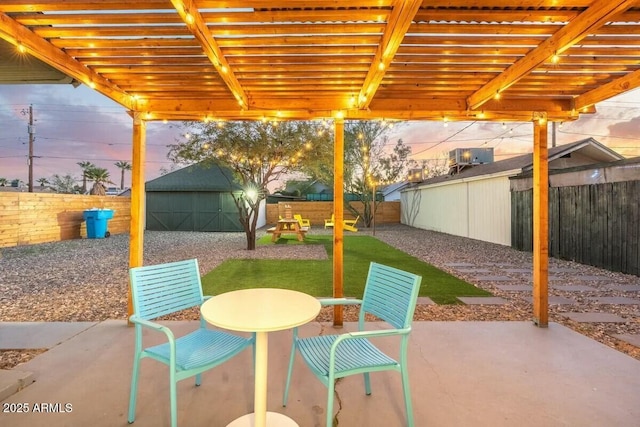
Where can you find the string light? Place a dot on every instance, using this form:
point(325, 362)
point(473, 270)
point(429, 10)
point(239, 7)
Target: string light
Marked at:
point(189, 17)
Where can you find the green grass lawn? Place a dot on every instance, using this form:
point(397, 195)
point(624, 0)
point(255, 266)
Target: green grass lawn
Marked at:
point(315, 276)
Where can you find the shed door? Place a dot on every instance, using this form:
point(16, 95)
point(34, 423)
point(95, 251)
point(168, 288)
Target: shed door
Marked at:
point(191, 211)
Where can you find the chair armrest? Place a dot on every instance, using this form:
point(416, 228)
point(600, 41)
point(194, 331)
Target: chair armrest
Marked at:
point(374, 334)
point(339, 301)
point(365, 334)
point(154, 326)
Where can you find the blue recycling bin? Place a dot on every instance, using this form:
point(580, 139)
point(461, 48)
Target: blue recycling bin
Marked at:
point(97, 222)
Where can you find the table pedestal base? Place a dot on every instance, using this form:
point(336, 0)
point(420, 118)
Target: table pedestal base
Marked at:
point(274, 419)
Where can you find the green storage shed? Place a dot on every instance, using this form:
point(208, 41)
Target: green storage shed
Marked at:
point(195, 198)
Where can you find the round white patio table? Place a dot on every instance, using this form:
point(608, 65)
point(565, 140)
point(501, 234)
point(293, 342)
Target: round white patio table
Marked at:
point(261, 310)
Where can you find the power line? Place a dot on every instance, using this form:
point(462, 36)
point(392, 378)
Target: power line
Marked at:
point(446, 139)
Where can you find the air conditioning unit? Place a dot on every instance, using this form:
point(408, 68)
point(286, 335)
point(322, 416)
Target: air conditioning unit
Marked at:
point(470, 156)
point(416, 175)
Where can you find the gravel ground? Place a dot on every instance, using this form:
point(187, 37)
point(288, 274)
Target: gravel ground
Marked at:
point(86, 280)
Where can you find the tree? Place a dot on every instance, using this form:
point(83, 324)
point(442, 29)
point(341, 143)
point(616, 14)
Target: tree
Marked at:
point(100, 177)
point(43, 181)
point(3, 182)
point(86, 167)
point(258, 153)
point(123, 166)
point(370, 163)
point(64, 184)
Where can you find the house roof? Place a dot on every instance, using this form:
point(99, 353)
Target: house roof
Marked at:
point(361, 59)
point(388, 189)
point(198, 177)
point(523, 163)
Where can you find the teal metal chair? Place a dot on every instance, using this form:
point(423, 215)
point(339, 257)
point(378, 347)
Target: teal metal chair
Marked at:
point(163, 289)
point(390, 295)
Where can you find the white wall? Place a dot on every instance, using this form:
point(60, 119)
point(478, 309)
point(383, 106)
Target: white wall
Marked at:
point(478, 208)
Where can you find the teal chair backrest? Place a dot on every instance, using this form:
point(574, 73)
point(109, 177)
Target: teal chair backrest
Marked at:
point(390, 294)
point(166, 288)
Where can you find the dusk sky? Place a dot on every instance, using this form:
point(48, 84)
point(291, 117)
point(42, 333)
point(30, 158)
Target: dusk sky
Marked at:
point(79, 124)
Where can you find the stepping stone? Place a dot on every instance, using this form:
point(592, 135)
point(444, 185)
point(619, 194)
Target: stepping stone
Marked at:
point(574, 288)
point(483, 300)
point(633, 339)
point(425, 301)
point(562, 270)
point(27, 335)
point(615, 300)
point(473, 270)
point(515, 287)
point(556, 300)
point(517, 270)
point(494, 278)
point(459, 264)
point(500, 265)
point(549, 278)
point(594, 317)
point(592, 278)
point(624, 288)
point(14, 380)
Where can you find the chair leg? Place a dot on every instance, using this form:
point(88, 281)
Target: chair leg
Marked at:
point(330, 397)
point(407, 395)
point(292, 357)
point(173, 399)
point(134, 390)
point(367, 383)
point(198, 379)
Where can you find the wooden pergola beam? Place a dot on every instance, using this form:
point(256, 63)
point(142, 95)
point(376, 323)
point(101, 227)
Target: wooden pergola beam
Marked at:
point(41, 49)
point(136, 228)
point(608, 90)
point(540, 222)
point(398, 23)
point(595, 16)
point(399, 109)
point(198, 27)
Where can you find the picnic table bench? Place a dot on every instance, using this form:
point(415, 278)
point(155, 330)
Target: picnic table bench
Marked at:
point(287, 226)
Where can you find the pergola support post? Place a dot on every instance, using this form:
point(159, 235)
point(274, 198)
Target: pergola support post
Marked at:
point(540, 221)
point(136, 229)
point(338, 225)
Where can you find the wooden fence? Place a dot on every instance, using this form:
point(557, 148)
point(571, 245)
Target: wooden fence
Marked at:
point(317, 212)
point(596, 224)
point(29, 218)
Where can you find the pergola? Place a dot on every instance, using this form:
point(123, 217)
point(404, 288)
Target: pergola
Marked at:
point(446, 60)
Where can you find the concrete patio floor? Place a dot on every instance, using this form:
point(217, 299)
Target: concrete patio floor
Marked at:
point(462, 374)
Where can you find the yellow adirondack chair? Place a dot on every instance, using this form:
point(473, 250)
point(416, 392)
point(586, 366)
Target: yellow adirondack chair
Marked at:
point(350, 224)
point(302, 221)
point(329, 222)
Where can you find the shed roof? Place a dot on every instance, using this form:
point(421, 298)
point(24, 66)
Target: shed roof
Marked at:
point(523, 163)
point(198, 177)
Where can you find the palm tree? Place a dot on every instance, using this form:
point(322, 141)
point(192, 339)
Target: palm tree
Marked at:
point(85, 166)
point(3, 182)
point(43, 181)
point(123, 166)
point(100, 177)
point(64, 184)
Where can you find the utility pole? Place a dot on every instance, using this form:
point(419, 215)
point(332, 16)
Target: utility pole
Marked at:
point(31, 130)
